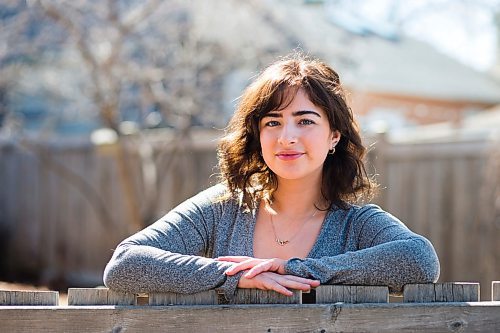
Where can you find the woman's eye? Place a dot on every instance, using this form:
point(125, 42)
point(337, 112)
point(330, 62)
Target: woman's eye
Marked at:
point(306, 122)
point(272, 123)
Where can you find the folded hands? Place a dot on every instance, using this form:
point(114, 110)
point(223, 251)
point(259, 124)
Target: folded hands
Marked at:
point(266, 274)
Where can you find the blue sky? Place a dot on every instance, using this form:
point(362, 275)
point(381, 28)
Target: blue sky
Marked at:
point(462, 29)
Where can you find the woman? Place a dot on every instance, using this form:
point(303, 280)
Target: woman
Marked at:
point(284, 215)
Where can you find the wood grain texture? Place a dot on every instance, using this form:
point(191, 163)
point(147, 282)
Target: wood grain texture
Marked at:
point(351, 294)
point(384, 317)
point(495, 291)
point(204, 298)
point(242, 296)
point(23, 297)
point(441, 292)
point(99, 296)
point(256, 296)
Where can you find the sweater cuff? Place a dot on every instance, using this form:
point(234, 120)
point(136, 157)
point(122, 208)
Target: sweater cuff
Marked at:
point(228, 288)
point(294, 266)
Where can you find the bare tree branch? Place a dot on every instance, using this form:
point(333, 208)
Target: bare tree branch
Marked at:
point(72, 178)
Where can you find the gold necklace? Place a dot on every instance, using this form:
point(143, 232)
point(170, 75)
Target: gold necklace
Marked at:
point(283, 242)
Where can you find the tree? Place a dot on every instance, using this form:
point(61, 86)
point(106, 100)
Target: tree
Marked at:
point(136, 63)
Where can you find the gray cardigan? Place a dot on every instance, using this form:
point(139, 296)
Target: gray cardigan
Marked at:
point(360, 245)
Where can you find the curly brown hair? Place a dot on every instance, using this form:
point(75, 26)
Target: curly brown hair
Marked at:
point(243, 170)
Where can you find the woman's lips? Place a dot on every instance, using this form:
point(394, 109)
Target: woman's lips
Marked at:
point(288, 156)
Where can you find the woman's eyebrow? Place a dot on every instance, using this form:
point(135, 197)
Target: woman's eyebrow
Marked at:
point(273, 114)
point(303, 112)
point(277, 114)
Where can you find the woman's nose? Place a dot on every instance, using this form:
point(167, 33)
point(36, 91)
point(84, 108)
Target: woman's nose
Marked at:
point(288, 135)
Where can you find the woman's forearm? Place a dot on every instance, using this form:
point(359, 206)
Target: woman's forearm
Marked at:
point(393, 264)
point(140, 268)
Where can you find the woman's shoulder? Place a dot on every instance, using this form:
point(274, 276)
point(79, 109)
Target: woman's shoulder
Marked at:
point(208, 205)
point(360, 214)
point(215, 192)
point(367, 221)
point(355, 209)
point(369, 208)
point(216, 196)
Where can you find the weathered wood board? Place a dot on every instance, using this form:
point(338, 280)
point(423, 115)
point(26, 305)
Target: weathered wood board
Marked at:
point(351, 294)
point(383, 317)
point(441, 292)
point(26, 297)
point(99, 296)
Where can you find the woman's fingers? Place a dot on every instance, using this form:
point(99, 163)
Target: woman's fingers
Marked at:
point(242, 266)
point(288, 281)
point(233, 258)
point(254, 265)
point(278, 287)
point(269, 265)
point(283, 283)
point(259, 268)
point(277, 282)
point(242, 263)
point(265, 281)
point(312, 283)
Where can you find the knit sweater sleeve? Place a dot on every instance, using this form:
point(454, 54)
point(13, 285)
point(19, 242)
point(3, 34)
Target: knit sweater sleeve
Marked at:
point(173, 254)
point(386, 253)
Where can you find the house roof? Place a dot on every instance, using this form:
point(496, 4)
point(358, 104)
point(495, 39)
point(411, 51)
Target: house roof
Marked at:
point(366, 62)
point(478, 127)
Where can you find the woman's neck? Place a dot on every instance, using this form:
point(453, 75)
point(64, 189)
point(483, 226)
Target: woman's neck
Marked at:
point(296, 198)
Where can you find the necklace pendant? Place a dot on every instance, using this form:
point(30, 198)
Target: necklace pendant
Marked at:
point(281, 242)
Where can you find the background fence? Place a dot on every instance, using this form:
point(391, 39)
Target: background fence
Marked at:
point(449, 192)
point(62, 209)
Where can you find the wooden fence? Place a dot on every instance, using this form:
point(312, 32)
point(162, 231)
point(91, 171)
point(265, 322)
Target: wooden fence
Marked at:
point(50, 229)
point(443, 307)
point(62, 207)
point(450, 193)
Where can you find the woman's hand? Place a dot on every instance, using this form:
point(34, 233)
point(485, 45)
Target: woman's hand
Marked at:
point(254, 266)
point(277, 282)
point(267, 274)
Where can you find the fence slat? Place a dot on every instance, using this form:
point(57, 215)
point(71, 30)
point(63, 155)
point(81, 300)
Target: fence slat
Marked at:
point(495, 291)
point(203, 298)
point(99, 296)
point(441, 292)
point(351, 294)
point(257, 296)
point(28, 297)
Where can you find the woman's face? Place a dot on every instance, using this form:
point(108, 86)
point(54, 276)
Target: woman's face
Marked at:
point(295, 141)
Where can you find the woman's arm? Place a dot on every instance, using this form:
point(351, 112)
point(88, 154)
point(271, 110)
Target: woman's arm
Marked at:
point(388, 253)
point(174, 255)
point(171, 254)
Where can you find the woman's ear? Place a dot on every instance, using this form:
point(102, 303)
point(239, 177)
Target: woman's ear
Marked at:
point(335, 138)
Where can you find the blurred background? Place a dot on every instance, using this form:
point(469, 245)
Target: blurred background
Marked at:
point(110, 112)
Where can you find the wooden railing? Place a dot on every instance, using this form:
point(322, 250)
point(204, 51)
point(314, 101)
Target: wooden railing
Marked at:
point(440, 307)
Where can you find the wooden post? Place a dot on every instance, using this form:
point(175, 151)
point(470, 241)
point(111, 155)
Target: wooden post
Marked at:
point(203, 298)
point(25, 297)
point(257, 296)
point(351, 294)
point(495, 290)
point(441, 292)
point(99, 296)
